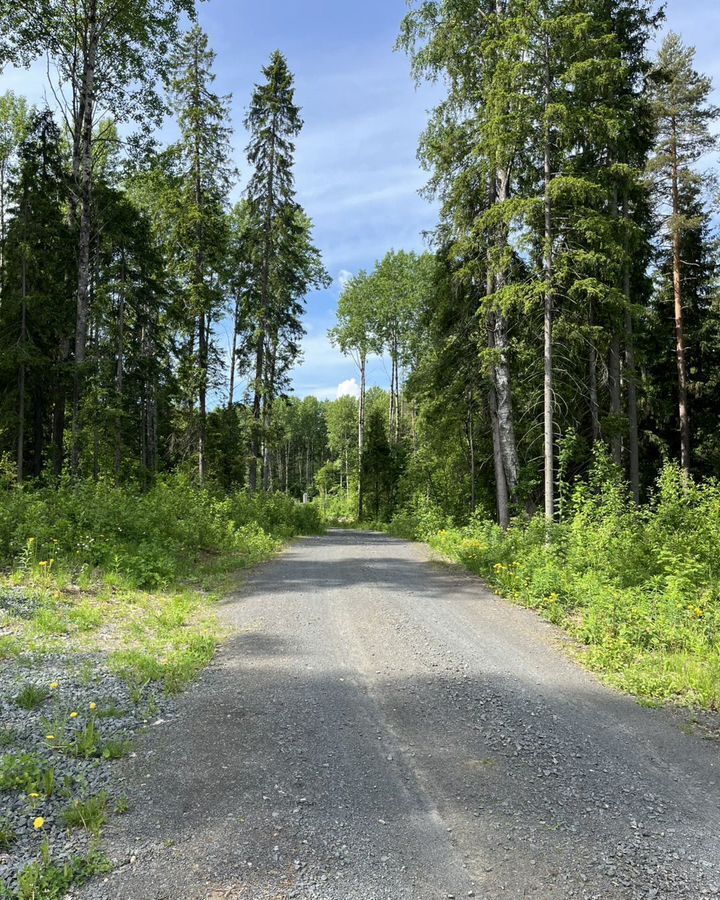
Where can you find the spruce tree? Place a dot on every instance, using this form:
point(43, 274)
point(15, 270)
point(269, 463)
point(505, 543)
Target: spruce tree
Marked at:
point(203, 167)
point(285, 263)
point(36, 315)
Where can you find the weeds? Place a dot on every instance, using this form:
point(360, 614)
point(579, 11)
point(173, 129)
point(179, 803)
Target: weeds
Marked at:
point(638, 587)
point(31, 697)
point(89, 813)
point(22, 772)
point(7, 835)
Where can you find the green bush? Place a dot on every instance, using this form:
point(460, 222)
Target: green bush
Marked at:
point(149, 538)
point(640, 587)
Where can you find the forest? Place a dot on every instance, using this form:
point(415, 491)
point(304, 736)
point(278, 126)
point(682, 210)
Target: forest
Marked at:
point(550, 413)
point(557, 341)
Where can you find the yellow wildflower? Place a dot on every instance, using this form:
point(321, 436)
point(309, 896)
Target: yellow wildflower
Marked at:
point(50, 737)
point(38, 823)
point(73, 715)
point(93, 707)
point(33, 795)
point(42, 563)
point(54, 685)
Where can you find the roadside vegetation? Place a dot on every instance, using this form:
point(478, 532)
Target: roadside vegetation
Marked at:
point(107, 609)
point(637, 587)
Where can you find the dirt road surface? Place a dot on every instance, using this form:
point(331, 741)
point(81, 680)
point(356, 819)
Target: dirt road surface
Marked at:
point(381, 727)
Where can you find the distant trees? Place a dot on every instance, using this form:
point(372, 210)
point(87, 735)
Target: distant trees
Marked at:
point(379, 313)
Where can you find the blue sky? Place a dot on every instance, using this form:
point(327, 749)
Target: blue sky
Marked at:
point(357, 173)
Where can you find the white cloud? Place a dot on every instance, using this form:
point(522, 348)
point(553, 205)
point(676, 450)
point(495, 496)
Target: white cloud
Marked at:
point(344, 277)
point(349, 388)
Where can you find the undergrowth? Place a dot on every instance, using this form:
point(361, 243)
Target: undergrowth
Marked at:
point(638, 587)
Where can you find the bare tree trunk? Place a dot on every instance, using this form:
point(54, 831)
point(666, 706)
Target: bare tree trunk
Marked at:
point(614, 369)
point(119, 370)
point(501, 490)
point(593, 382)
point(85, 172)
point(202, 395)
point(631, 378)
point(233, 355)
point(549, 393)
point(21, 379)
point(682, 369)
point(502, 379)
point(361, 433)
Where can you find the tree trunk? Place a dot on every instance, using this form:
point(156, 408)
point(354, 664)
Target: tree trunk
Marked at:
point(631, 378)
point(501, 490)
point(84, 168)
point(21, 379)
point(593, 381)
point(682, 370)
point(119, 370)
point(361, 434)
point(473, 461)
point(615, 398)
point(502, 379)
point(614, 369)
point(549, 398)
point(233, 355)
point(202, 396)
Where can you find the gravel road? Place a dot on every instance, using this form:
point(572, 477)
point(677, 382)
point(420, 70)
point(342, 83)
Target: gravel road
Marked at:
point(381, 727)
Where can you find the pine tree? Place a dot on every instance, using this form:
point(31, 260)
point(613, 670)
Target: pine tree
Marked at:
point(107, 54)
point(683, 118)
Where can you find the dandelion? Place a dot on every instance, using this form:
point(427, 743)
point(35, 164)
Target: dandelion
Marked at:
point(93, 707)
point(38, 823)
point(73, 715)
point(50, 737)
point(33, 795)
point(54, 685)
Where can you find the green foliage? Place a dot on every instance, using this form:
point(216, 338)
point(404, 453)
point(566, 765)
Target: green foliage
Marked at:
point(23, 772)
point(89, 813)
point(47, 880)
point(640, 588)
point(31, 696)
point(144, 538)
point(7, 835)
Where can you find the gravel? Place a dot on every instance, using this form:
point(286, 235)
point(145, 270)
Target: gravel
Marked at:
point(81, 679)
point(381, 727)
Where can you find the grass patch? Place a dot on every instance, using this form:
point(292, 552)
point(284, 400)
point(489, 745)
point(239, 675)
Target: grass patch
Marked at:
point(7, 835)
point(48, 880)
point(89, 813)
point(31, 697)
point(26, 772)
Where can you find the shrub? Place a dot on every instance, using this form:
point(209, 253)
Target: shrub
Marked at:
point(639, 587)
point(146, 538)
